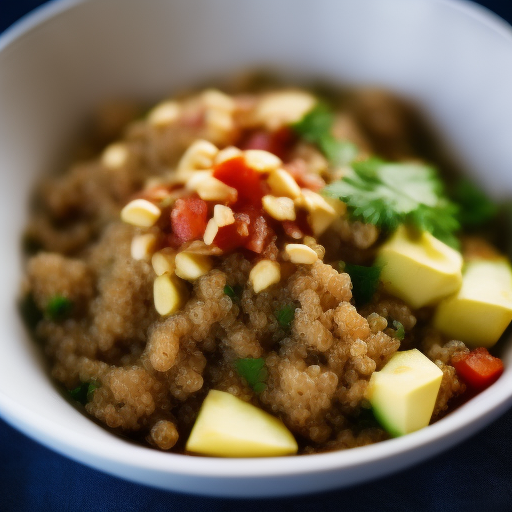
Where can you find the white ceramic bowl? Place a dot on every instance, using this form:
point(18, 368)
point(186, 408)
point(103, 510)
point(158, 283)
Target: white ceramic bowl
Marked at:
point(453, 58)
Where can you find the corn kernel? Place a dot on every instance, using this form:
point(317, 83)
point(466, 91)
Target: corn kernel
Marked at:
point(163, 261)
point(210, 232)
point(223, 215)
point(115, 156)
point(279, 208)
point(164, 114)
point(282, 184)
point(212, 189)
point(300, 253)
point(261, 160)
point(264, 274)
point(169, 294)
point(140, 212)
point(191, 266)
point(143, 246)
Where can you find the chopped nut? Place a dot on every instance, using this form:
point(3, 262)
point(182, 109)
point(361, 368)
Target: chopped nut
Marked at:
point(143, 246)
point(227, 154)
point(322, 211)
point(223, 215)
point(140, 212)
point(169, 294)
point(300, 253)
point(190, 266)
point(261, 160)
point(115, 156)
point(283, 108)
point(196, 178)
point(280, 208)
point(264, 274)
point(163, 261)
point(164, 114)
point(212, 189)
point(210, 232)
point(282, 183)
point(215, 99)
point(198, 157)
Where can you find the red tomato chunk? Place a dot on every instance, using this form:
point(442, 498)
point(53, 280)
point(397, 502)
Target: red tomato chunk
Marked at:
point(478, 368)
point(189, 218)
point(250, 230)
point(245, 180)
point(279, 142)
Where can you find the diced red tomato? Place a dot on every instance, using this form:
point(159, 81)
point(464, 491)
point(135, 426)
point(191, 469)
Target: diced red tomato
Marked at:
point(188, 219)
point(279, 142)
point(235, 235)
point(478, 368)
point(250, 230)
point(298, 169)
point(246, 181)
point(299, 227)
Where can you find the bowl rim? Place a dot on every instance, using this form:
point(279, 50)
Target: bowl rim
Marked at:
point(452, 429)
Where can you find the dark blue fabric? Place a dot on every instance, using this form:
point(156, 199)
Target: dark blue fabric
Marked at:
point(474, 476)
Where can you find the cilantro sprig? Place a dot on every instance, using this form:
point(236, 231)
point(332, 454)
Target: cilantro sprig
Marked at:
point(58, 308)
point(285, 316)
point(316, 127)
point(476, 209)
point(233, 292)
point(254, 372)
point(388, 194)
point(365, 281)
point(399, 330)
point(83, 392)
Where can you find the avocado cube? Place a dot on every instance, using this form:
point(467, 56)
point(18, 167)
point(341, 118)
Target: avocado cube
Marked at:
point(229, 427)
point(418, 268)
point(482, 309)
point(404, 392)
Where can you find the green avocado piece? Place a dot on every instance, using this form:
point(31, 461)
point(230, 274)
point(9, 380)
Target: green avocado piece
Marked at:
point(404, 392)
point(418, 268)
point(229, 427)
point(482, 309)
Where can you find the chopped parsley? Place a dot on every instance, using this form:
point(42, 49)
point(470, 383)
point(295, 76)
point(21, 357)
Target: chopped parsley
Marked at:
point(365, 281)
point(316, 127)
point(399, 330)
point(476, 209)
point(233, 292)
point(388, 194)
point(29, 311)
point(83, 393)
point(254, 372)
point(285, 316)
point(58, 308)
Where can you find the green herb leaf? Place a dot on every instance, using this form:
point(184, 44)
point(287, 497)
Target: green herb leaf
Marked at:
point(365, 281)
point(29, 311)
point(233, 292)
point(83, 393)
point(316, 127)
point(254, 372)
point(475, 208)
point(285, 316)
point(399, 330)
point(58, 308)
point(388, 194)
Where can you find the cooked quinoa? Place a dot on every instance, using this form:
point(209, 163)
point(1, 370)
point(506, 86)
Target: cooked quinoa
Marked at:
point(145, 373)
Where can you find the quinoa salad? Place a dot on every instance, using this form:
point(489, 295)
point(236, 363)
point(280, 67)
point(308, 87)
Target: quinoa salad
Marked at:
point(268, 272)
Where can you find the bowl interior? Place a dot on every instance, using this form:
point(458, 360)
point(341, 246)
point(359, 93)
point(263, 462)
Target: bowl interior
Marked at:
point(452, 58)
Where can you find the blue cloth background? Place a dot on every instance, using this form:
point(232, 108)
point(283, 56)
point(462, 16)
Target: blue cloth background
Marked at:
point(474, 476)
